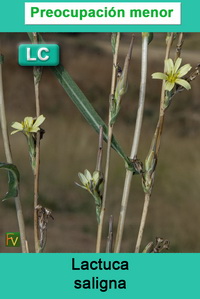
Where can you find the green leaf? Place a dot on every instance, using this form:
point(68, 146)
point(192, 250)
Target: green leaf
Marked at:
point(83, 104)
point(13, 180)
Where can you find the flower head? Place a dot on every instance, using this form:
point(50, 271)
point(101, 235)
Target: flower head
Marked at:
point(93, 184)
point(28, 125)
point(90, 182)
point(173, 73)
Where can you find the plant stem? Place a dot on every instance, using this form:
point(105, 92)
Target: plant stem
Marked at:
point(179, 45)
point(8, 154)
point(110, 236)
point(100, 151)
point(36, 72)
point(36, 174)
point(162, 98)
point(143, 221)
point(155, 146)
point(110, 133)
point(136, 138)
point(36, 170)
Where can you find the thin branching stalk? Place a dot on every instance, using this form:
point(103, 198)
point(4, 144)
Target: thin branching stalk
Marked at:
point(110, 133)
point(37, 76)
point(109, 243)
point(100, 151)
point(27, 248)
point(162, 98)
point(135, 144)
point(153, 152)
point(8, 154)
point(143, 221)
point(179, 46)
point(36, 170)
point(140, 111)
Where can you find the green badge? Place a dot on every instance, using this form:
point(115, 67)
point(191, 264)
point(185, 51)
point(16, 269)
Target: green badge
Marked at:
point(12, 240)
point(38, 55)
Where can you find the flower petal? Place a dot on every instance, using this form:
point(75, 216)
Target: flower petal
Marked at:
point(28, 122)
point(82, 178)
point(39, 121)
point(159, 76)
point(169, 66)
point(81, 186)
point(34, 130)
point(88, 175)
point(169, 85)
point(13, 132)
point(184, 70)
point(17, 125)
point(95, 176)
point(177, 64)
point(183, 83)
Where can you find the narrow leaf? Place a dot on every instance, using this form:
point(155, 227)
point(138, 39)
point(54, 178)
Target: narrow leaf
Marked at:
point(83, 104)
point(13, 180)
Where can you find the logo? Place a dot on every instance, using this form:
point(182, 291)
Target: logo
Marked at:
point(38, 54)
point(12, 240)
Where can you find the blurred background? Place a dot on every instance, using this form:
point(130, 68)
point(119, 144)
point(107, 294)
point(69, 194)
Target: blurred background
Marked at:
point(70, 145)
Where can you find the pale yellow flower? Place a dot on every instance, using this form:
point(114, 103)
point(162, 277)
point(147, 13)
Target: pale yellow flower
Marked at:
point(28, 125)
point(93, 183)
point(173, 74)
point(89, 181)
